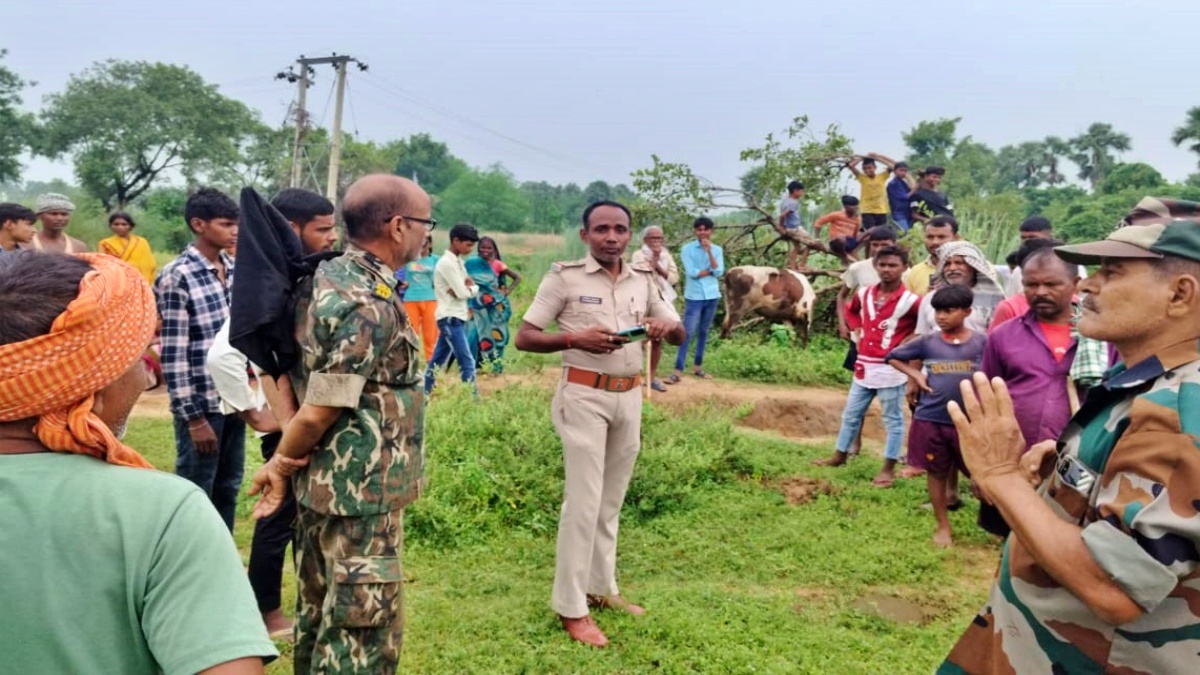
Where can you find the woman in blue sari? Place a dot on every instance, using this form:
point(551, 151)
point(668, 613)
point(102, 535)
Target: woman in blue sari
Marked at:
point(490, 313)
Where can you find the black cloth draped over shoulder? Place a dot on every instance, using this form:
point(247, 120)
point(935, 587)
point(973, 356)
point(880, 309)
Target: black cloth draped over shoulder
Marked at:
point(271, 266)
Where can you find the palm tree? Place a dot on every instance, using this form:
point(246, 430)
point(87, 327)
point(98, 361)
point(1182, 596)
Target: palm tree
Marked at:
point(1053, 150)
point(1093, 151)
point(1190, 131)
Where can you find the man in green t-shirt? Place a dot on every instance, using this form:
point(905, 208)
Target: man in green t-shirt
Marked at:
point(110, 566)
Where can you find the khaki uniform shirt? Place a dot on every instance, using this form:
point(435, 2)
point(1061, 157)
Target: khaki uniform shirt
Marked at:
point(360, 353)
point(582, 295)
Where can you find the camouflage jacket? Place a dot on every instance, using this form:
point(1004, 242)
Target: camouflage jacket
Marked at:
point(1129, 475)
point(360, 353)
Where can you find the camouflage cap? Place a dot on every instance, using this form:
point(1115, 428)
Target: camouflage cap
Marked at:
point(1156, 227)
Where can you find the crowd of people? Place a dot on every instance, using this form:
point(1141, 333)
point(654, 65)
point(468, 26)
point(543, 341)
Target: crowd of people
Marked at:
point(1070, 404)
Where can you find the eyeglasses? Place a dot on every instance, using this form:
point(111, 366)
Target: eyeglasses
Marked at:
point(429, 223)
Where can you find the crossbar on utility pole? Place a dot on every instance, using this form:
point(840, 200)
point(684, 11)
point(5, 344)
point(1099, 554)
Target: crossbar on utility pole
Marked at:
point(335, 147)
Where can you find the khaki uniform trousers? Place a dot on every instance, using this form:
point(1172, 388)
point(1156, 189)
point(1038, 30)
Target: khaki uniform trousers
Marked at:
point(601, 436)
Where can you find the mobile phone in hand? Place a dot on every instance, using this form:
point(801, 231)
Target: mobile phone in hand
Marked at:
point(634, 334)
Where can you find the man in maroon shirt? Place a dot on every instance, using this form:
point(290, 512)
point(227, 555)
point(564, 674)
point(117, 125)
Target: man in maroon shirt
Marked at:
point(1033, 354)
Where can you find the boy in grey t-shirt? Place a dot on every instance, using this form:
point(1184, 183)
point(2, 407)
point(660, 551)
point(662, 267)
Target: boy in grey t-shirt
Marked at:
point(949, 356)
point(789, 216)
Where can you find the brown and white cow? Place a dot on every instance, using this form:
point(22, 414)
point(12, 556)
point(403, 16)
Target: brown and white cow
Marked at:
point(770, 292)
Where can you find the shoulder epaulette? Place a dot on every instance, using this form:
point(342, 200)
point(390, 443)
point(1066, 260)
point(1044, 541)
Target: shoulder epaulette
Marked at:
point(641, 267)
point(559, 266)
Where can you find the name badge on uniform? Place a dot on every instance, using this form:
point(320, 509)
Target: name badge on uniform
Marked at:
point(589, 300)
point(382, 291)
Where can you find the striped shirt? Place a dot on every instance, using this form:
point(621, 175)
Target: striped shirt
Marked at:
point(193, 305)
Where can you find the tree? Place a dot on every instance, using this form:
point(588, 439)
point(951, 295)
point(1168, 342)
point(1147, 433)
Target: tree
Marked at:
point(489, 199)
point(931, 142)
point(1093, 151)
point(264, 163)
point(1031, 164)
point(1135, 176)
point(15, 126)
point(672, 194)
point(597, 191)
point(571, 201)
point(1190, 131)
point(127, 123)
point(359, 158)
point(545, 213)
point(622, 193)
point(971, 169)
point(429, 162)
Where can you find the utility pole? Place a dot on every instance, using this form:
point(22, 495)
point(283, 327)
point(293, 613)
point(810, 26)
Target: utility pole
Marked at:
point(301, 115)
point(304, 79)
point(301, 131)
point(335, 147)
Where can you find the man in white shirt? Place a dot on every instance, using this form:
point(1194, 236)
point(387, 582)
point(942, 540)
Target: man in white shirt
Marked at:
point(231, 374)
point(452, 288)
point(311, 218)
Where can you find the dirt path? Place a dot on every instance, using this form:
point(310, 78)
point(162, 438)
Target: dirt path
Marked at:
point(799, 413)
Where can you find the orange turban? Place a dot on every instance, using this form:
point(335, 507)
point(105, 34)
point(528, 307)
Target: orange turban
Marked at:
point(55, 377)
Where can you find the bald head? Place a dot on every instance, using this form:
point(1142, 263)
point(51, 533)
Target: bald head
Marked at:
point(373, 200)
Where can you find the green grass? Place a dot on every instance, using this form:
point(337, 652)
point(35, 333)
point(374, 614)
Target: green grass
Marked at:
point(735, 579)
point(751, 356)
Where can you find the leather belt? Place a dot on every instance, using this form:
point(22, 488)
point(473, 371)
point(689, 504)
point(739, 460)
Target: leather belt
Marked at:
point(590, 378)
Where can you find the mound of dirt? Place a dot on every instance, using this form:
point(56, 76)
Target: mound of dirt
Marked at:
point(799, 490)
point(806, 416)
point(894, 609)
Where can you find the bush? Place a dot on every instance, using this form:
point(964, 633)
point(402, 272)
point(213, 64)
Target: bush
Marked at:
point(759, 358)
point(496, 465)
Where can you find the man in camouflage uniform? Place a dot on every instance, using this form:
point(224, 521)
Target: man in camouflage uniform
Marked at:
point(597, 408)
point(1102, 570)
point(360, 430)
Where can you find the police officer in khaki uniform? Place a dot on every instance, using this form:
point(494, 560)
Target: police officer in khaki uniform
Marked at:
point(597, 408)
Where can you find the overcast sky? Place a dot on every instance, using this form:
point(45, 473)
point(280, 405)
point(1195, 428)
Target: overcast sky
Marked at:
point(574, 90)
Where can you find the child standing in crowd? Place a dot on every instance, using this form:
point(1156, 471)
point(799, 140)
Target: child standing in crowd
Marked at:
point(420, 303)
point(791, 220)
point(949, 355)
point(884, 315)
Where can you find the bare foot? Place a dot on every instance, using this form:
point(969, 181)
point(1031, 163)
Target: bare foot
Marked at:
point(942, 539)
point(279, 627)
point(885, 479)
point(838, 459)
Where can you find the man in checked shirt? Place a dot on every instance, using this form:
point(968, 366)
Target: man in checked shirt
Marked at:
point(193, 303)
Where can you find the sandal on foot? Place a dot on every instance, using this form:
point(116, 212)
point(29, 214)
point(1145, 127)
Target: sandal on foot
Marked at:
point(702, 375)
point(657, 385)
point(880, 482)
point(673, 379)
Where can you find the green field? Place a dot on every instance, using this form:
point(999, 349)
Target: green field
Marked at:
point(735, 579)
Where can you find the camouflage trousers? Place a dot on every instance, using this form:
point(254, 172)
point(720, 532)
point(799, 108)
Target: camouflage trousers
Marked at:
point(349, 611)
